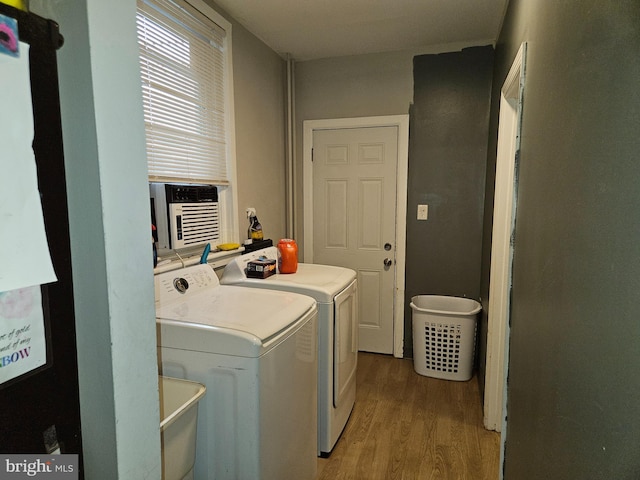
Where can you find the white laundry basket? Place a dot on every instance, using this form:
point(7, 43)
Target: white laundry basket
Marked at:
point(444, 336)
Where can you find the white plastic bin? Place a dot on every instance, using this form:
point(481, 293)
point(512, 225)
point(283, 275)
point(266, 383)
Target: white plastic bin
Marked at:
point(444, 336)
point(178, 422)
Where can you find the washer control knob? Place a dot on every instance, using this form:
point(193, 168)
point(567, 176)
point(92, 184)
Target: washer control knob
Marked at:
point(181, 284)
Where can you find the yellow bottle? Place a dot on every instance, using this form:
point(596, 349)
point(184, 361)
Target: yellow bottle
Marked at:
point(255, 229)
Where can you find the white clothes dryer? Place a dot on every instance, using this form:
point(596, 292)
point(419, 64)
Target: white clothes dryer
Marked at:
point(255, 351)
point(334, 289)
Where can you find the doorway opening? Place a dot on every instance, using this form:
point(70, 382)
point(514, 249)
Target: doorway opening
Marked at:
point(502, 246)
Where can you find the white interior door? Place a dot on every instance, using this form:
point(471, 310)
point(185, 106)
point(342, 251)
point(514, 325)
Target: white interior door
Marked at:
point(354, 206)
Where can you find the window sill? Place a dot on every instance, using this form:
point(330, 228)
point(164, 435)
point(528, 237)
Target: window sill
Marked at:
point(169, 260)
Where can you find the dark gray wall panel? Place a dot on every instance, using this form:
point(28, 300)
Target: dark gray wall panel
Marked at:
point(447, 160)
point(574, 376)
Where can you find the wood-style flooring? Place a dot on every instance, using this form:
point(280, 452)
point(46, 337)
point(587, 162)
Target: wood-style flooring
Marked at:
point(408, 426)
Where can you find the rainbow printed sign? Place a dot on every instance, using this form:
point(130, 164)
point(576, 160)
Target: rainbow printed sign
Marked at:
point(22, 335)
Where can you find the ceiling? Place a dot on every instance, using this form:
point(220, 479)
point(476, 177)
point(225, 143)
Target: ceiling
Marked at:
point(312, 29)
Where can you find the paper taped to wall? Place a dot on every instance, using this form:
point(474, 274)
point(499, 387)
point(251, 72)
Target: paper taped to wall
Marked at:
point(24, 251)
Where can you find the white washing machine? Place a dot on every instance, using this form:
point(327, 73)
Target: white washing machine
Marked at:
point(334, 289)
point(255, 351)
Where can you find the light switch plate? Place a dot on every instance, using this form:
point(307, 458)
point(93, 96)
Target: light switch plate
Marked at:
point(423, 212)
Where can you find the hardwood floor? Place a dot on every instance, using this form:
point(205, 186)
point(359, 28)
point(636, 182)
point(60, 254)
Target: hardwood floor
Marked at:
point(407, 426)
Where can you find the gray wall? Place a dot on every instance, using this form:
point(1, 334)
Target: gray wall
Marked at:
point(447, 162)
point(259, 91)
point(574, 377)
point(354, 86)
point(345, 87)
point(383, 84)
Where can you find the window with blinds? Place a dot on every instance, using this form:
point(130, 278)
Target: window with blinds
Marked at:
point(182, 66)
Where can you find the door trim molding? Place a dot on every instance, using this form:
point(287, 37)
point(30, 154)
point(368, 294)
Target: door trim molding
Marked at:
point(402, 123)
point(504, 218)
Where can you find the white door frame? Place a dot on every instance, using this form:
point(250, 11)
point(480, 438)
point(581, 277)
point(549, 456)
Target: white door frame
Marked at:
point(504, 216)
point(402, 122)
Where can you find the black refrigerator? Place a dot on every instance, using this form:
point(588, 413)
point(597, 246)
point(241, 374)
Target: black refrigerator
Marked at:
point(40, 409)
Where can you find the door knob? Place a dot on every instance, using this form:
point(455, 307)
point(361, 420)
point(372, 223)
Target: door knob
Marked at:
point(388, 262)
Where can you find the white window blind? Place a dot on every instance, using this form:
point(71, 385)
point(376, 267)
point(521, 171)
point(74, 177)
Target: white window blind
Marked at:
point(182, 62)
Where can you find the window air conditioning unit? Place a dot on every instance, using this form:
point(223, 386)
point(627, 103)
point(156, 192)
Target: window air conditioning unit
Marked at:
point(185, 215)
